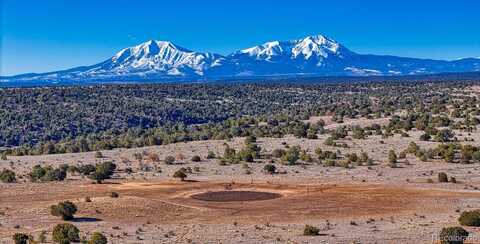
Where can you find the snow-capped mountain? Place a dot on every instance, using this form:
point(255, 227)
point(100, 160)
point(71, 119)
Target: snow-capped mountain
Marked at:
point(310, 56)
point(312, 47)
point(160, 57)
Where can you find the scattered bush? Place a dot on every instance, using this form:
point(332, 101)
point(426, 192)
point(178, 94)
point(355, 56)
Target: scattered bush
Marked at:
point(330, 141)
point(7, 176)
point(65, 233)
point(114, 194)
point(413, 148)
point(453, 235)
point(21, 238)
point(311, 231)
point(98, 154)
point(392, 159)
point(169, 159)
point(247, 157)
point(363, 157)
point(425, 137)
point(470, 218)
point(86, 169)
point(292, 155)
point(66, 210)
point(98, 238)
point(211, 155)
point(442, 177)
point(444, 135)
point(196, 158)
point(180, 174)
point(250, 139)
point(47, 173)
point(270, 168)
point(352, 157)
point(103, 171)
point(329, 163)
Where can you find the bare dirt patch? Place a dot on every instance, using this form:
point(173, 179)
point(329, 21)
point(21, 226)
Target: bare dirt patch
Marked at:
point(235, 196)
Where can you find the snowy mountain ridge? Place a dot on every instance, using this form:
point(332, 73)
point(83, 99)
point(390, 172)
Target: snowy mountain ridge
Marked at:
point(311, 56)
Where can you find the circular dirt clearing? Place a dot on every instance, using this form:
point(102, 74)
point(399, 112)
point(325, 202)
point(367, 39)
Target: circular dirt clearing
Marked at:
point(235, 196)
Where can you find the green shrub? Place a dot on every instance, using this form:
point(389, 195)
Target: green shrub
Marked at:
point(98, 154)
point(7, 176)
point(86, 169)
point(180, 174)
point(169, 159)
point(413, 148)
point(103, 171)
point(65, 233)
point(453, 235)
point(329, 163)
point(425, 137)
point(392, 159)
point(250, 139)
point(196, 158)
point(352, 157)
point(66, 210)
point(470, 218)
point(442, 177)
point(98, 238)
point(270, 168)
point(47, 173)
point(369, 162)
point(358, 132)
point(363, 157)
point(246, 156)
point(211, 155)
point(330, 141)
point(345, 163)
point(292, 155)
point(310, 231)
point(54, 175)
point(476, 156)
point(21, 238)
point(444, 135)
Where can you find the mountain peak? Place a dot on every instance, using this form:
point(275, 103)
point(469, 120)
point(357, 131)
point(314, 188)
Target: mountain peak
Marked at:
point(318, 39)
point(306, 48)
point(317, 45)
point(149, 49)
point(154, 46)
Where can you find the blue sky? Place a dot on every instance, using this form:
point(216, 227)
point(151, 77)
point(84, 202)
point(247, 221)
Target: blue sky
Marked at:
point(40, 36)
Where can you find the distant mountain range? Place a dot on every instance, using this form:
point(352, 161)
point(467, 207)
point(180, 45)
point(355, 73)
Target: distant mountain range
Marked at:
point(311, 56)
